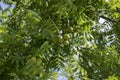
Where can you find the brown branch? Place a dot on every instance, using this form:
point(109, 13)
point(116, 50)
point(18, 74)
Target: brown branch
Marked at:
point(109, 19)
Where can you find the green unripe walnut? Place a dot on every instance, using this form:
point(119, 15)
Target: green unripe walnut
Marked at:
point(66, 36)
point(33, 60)
point(70, 29)
point(66, 43)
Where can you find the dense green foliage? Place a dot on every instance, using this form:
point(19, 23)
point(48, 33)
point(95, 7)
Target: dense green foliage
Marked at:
point(78, 38)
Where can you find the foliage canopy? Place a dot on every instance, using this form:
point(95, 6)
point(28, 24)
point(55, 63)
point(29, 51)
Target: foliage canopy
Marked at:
point(78, 38)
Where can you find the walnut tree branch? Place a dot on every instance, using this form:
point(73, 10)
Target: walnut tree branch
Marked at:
point(109, 19)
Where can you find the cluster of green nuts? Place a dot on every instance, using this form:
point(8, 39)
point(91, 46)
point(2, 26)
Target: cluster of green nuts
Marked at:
point(64, 39)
